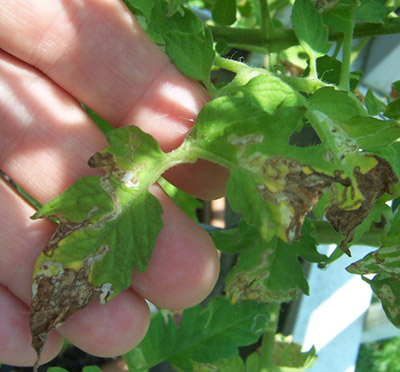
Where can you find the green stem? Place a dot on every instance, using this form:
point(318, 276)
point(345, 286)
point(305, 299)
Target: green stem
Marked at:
point(266, 22)
point(344, 83)
point(282, 39)
point(360, 46)
point(306, 85)
point(229, 64)
point(337, 48)
point(268, 340)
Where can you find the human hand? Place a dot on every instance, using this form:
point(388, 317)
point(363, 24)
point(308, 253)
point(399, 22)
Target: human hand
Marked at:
point(54, 54)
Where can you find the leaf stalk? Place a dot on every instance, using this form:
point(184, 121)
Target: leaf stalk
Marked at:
point(268, 340)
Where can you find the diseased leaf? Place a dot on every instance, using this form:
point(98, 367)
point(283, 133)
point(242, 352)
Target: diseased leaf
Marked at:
point(288, 354)
point(205, 335)
point(107, 224)
point(385, 263)
point(267, 272)
point(388, 291)
point(224, 12)
point(309, 28)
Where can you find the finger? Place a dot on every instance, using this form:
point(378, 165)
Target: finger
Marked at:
point(45, 136)
point(109, 330)
point(15, 337)
point(98, 53)
point(182, 273)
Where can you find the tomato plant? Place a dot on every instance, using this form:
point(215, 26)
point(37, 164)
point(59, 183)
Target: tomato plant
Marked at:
point(342, 175)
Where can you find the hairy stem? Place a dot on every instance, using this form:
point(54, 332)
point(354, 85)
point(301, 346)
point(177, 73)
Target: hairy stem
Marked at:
point(344, 82)
point(266, 22)
point(268, 340)
point(282, 39)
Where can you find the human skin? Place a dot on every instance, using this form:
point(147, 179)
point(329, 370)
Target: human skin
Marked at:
point(54, 54)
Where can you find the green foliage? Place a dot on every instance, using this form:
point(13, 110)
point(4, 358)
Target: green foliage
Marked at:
point(204, 335)
point(381, 356)
point(286, 185)
point(224, 12)
point(309, 28)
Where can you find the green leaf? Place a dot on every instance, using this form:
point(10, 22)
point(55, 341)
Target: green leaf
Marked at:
point(108, 224)
point(309, 28)
point(374, 105)
point(56, 369)
point(337, 104)
point(393, 110)
point(205, 335)
point(184, 21)
point(104, 126)
point(372, 11)
point(144, 6)
point(341, 18)
point(288, 354)
point(396, 85)
point(236, 240)
point(193, 54)
point(224, 12)
point(174, 6)
point(234, 364)
point(91, 369)
point(267, 272)
point(266, 92)
point(329, 68)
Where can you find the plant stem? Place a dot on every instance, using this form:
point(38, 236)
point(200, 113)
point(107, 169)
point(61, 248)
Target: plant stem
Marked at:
point(360, 46)
point(268, 340)
point(344, 83)
point(266, 22)
point(229, 64)
point(281, 39)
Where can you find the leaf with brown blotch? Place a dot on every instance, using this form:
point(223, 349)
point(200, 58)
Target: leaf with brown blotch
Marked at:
point(107, 225)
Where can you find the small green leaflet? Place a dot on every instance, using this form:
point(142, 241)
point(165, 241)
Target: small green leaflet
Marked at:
point(224, 12)
point(204, 335)
point(84, 369)
point(373, 11)
point(374, 105)
point(309, 28)
point(144, 6)
point(193, 54)
point(174, 6)
point(107, 224)
point(186, 41)
point(393, 110)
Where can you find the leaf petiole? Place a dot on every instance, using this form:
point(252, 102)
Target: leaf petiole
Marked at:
point(268, 340)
